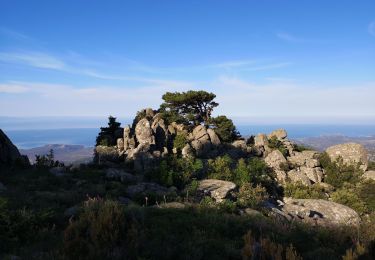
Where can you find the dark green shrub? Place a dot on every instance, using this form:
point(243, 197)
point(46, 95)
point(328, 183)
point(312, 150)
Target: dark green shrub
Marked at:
point(99, 232)
point(107, 135)
point(300, 191)
point(347, 196)
point(251, 197)
point(225, 129)
point(180, 141)
point(337, 173)
point(274, 143)
point(221, 168)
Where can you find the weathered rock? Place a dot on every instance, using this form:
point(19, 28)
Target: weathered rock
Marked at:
point(146, 188)
point(320, 212)
point(9, 152)
point(119, 175)
point(149, 112)
point(314, 174)
point(200, 133)
point(160, 132)
point(187, 151)
point(143, 132)
point(351, 154)
point(58, 171)
point(213, 137)
point(298, 176)
point(120, 144)
point(2, 187)
point(240, 144)
point(252, 212)
point(369, 175)
point(260, 140)
point(217, 189)
point(279, 134)
point(202, 148)
point(274, 159)
point(305, 158)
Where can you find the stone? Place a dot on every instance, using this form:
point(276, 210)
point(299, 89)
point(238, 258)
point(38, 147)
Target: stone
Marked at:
point(2, 187)
point(187, 151)
point(320, 212)
point(160, 132)
point(369, 175)
point(305, 158)
point(260, 140)
point(120, 144)
point(274, 159)
point(143, 132)
point(216, 189)
point(296, 176)
point(314, 174)
point(240, 144)
point(200, 133)
point(213, 137)
point(279, 134)
point(149, 112)
point(119, 175)
point(58, 171)
point(252, 212)
point(145, 188)
point(171, 130)
point(351, 154)
point(9, 152)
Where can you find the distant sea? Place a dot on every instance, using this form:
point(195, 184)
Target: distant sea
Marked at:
point(26, 139)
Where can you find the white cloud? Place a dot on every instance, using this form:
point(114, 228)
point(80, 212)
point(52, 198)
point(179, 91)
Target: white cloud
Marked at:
point(371, 28)
point(237, 98)
point(12, 89)
point(34, 59)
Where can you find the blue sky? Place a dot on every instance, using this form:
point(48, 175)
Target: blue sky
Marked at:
point(300, 61)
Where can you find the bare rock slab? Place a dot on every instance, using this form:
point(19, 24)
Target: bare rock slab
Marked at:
point(216, 189)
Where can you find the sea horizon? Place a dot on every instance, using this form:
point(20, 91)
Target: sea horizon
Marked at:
point(31, 138)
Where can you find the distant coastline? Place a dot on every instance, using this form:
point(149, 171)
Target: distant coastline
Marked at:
point(31, 138)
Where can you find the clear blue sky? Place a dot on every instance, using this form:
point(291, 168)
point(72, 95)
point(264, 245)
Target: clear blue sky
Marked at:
point(264, 59)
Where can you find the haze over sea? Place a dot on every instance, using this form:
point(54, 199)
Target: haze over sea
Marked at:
point(39, 131)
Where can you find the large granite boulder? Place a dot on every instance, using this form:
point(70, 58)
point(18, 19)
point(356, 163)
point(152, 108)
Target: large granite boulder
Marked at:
point(143, 132)
point(213, 137)
point(305, 158)
point(296, 176)
point(351, 153)
point(119, 175)
point(275, 159)
point(216, 189)
point(320, 212)
point(260, 140)
point(9, 152)
point(200, 133)
point(279, 134)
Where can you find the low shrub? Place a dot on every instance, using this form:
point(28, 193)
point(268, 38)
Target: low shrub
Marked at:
point(301, 191)
point(251, 197)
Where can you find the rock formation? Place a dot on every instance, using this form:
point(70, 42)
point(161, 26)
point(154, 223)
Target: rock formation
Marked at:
point(217, 189)
point(351, 154)
point(9, 152)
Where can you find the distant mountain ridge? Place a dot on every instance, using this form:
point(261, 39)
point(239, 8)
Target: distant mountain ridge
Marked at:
point(65, 153)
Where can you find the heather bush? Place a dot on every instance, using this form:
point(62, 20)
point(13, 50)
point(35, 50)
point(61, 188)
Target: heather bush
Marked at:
point(251, 197)
point(301, 191)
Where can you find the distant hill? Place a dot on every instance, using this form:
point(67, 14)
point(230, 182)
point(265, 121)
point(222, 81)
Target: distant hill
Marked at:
point(323, 142)
point(63, 153)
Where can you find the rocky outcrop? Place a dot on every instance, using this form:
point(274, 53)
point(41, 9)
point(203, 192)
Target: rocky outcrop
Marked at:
point(320, 212)
point(216, 189)
point(280, 134)
point(119, 175)
point(369, 175)
point(306, 167)
point(9, 152)
point(351, 154)
point(144, 133)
